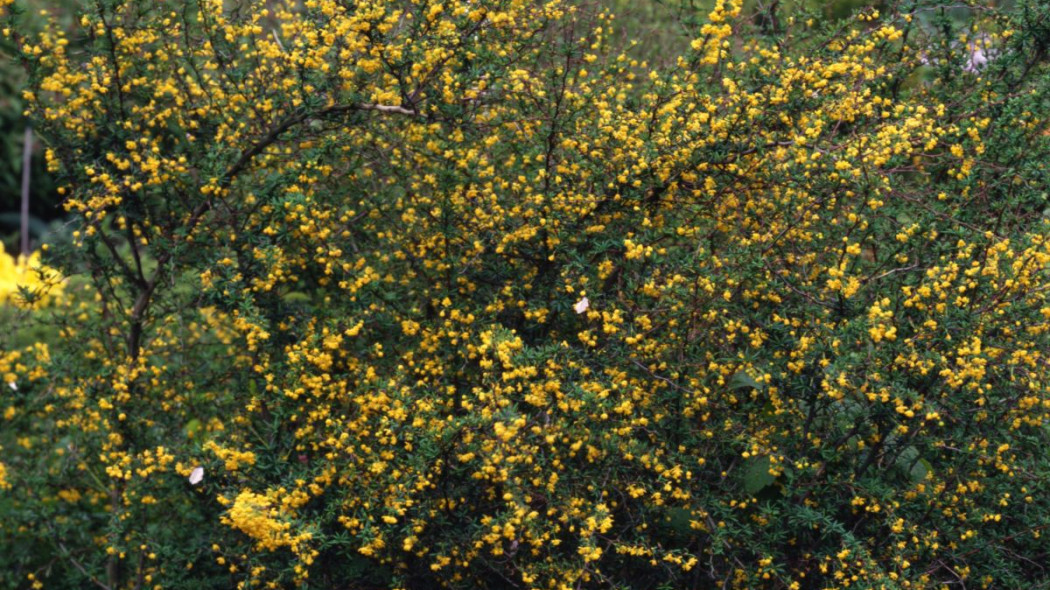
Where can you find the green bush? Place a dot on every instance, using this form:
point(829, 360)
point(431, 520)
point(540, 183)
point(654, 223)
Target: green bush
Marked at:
point(408, 294)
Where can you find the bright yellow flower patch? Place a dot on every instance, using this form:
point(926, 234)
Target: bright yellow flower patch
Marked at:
point(43, 283)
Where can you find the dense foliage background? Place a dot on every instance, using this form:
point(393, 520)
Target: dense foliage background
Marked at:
point(405, 294)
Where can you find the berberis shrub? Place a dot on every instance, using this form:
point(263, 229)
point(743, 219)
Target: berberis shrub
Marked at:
point(411, 294)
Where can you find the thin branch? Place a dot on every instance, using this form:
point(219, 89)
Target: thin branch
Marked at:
point(386, 109)
point(77, 564)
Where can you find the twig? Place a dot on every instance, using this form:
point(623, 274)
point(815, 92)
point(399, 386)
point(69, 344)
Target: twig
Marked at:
point(383, 108)
point(79, 567)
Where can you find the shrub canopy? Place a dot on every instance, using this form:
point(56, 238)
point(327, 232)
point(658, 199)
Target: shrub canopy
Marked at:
point(402, 293)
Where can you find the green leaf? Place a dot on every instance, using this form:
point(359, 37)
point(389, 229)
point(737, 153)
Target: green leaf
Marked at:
point(296, 297)
point(914, 466)
point(920, 470)
point(757, 476)
point(679, 520)
point(741, 380)
point(192, 428)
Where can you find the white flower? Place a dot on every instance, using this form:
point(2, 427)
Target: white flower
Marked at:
point(582, 305)
point(978, 59)
point(13, 386)
point(196, 475)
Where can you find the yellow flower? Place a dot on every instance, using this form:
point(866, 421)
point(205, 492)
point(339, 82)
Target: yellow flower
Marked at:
point(4, 485)
point(27, 273)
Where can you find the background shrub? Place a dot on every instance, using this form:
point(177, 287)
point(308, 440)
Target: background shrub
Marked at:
point(406, 294)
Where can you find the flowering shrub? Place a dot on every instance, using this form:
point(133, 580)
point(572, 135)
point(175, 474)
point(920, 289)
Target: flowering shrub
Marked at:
point(412, 294)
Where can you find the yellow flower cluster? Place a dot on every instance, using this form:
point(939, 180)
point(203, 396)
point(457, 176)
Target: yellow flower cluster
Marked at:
point(41, 283)
point(259, 517)
point(232, 458)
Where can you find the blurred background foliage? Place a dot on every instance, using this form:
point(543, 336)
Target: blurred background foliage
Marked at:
point(662, 29)
point(45, 211)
